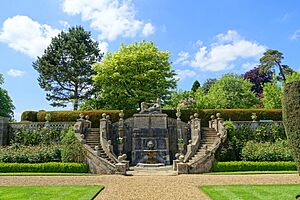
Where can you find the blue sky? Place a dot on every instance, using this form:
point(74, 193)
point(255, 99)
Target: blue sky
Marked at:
point(205, 38)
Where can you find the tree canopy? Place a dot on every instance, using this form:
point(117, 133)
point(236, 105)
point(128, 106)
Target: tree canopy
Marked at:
point(195, 86)
point(270, 60)
point(207, 84)
point(65, 71)
point(6, 104)
point(231, 91)
point(135, 73)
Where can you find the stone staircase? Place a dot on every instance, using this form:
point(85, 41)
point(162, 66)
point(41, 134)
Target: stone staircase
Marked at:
point(209, 136)
point(93, 140)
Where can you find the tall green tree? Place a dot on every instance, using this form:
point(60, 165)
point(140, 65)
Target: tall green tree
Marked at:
point(65, 71)
point(195, 86)
point(6, 104)
point(207, 85)
point(135, 73)
point(272, 95)
point(271, 60)
point(231, 91)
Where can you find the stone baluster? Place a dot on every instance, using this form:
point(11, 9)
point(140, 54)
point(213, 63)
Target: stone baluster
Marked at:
point(219, 122)
point(211, 122)
point(195, 128)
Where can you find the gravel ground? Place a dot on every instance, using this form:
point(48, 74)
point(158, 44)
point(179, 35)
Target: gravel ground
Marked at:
point(151, 187)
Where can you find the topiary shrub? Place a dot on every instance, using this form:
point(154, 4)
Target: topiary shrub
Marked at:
point(72, 150)
point(29, 116)
point(291, 118)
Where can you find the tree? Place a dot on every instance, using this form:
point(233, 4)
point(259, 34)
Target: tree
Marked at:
point(207, 85)
point(271, 59)
point(272, 95)
point(65, 67)
point(135, 73)
point(195, 86)
point(258, 79)
point(291, 116)
point(231, 91)
point(6, 105)
point(182, 99)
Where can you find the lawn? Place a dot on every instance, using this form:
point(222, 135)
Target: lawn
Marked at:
point(45, 174)
point(250, 172)
point(49, 192)
point(252, 192)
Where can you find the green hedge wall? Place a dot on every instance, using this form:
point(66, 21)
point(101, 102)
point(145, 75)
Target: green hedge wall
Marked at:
point(291, 117)
point(204, 115)
point(45, 167)
point(253, 166)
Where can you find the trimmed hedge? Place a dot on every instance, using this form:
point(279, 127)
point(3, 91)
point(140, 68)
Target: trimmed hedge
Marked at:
point(291, 117)
point(29, 116)
point(253, 166)
point(45, 167)
point(204, 115)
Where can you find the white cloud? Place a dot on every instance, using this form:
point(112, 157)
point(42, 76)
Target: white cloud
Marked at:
point(296, 35)
point(183, 74)
point(65, 24)
point(227, 49)
point(247, 66)
point(111, 17)
point(15, 73)
point(103, 46)
point(182, 58)
point(27, 36)
point(148, 29)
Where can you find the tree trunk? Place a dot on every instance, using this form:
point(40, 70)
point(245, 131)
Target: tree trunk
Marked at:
point(281, 71)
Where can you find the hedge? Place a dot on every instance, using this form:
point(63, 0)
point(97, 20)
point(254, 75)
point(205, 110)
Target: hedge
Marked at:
point(204, 115)
point(291, 117)
point(45, 167)
point(253, 166)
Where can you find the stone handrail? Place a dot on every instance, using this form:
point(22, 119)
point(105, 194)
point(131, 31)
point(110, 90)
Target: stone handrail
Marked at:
point(222, 135)
point(194, 143)
point(37, 125)
point(96, 163)
point(106, 146)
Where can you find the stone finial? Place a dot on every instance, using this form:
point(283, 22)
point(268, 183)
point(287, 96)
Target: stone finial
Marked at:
point(254, 117)
point(196, 115)
point(177, 156)
point(121, 114)
point(109, 142)
point(87, 117)
point(178, 113)
point(103, 115)
point(218, 115)
point(107, 117)
point(96, 148)
point(190, 141)
point(81, 115)
point(181, 158)
point(191, 117)
point(48, 117)
point(212, 117)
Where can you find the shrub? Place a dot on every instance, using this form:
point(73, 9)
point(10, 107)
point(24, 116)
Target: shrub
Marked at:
point(72, 150)
point(29, 116)
point(267, 151)
point(204, 115)
point(253, 166)
point(291, 117)
point(30, 154)
point(45, 167)
point(37, 136)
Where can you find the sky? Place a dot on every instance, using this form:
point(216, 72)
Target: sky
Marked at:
point(206, 39)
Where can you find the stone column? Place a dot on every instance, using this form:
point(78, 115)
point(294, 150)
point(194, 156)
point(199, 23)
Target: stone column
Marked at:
point(104, 126)
point(195, 128)
point(3, 131)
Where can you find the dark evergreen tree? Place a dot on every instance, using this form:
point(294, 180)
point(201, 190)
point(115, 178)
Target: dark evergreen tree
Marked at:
point(207, 85)
point(65, 71)
point(195, 86)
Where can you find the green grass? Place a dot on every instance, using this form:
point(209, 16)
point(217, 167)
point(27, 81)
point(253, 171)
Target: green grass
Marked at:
point(252, 192)
point(49, 192)
point(45, 174)
point(252, 172)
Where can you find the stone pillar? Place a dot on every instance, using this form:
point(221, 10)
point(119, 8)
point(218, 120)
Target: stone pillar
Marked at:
point(182, 168)
point(3, 131)
point(104, 126)
point(121, 168)
point(195, 128)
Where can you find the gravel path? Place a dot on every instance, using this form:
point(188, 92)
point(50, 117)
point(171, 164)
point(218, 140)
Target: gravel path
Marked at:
point(151, 187)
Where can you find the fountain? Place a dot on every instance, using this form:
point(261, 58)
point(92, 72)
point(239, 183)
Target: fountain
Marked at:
point(151, 158)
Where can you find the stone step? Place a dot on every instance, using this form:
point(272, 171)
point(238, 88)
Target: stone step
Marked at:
point(95, 129)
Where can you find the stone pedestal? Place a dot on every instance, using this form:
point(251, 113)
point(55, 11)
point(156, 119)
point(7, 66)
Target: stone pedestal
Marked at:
point(121, 168)
point(182, 168)
point(175, 162)
point(3, 131)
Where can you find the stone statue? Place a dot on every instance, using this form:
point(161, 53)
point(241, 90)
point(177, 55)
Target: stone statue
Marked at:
point(151, 107)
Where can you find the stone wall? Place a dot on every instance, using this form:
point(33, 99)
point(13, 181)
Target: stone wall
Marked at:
point(3, 131)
